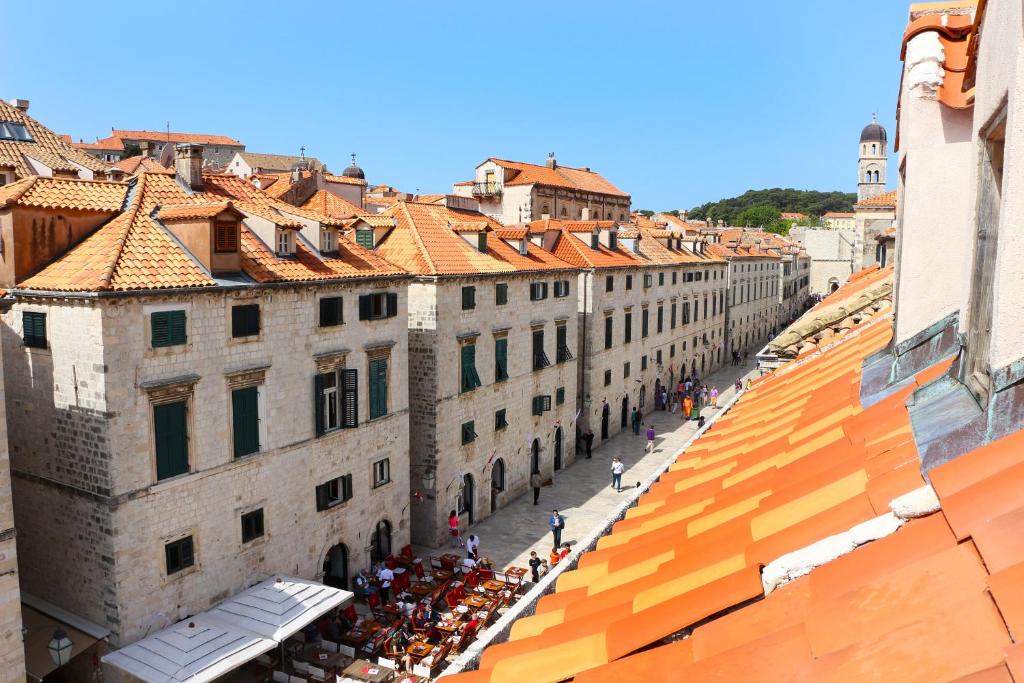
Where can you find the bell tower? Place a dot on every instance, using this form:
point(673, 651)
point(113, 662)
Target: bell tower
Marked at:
point(874, 156)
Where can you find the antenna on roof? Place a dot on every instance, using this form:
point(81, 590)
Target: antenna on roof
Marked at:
point(302, 151)
point(168, 131)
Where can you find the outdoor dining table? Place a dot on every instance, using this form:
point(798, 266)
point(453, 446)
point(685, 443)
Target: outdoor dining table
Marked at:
point(493, 586)
point(419, 650)
point(331, 662)
point(410, 678)
point(448, 560)
point(441, 574)
point(476, 601)
point(364, 670)
point(356, 637)
point(421, 589)
point(449, 626)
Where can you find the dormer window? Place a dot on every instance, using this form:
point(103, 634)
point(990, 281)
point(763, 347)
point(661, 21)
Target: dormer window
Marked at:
point(613, 240)
point(10, 130)
point(225, 237)
point(482, 242)
point(364, 238)
point(285, 242)
point(595, 241)
point(328, 241)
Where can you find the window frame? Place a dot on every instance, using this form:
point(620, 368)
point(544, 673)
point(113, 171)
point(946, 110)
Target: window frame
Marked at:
point(381, 473)
point(31, 338)
point(243, 317)
point(255, 519)
point(331, 308)
point(184, 560)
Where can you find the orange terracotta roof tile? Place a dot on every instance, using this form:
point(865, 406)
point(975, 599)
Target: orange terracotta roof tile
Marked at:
point(164, 136)
point(330, 204)
point(885, 199)
point(139, 163)
point(954, 25)
point(54, 150)
point(343, 180)
point(65, 193)
point(424, 242)
point(561, 176)
point(178, 212)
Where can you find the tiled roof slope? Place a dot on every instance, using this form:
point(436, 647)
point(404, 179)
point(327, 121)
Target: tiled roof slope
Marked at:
point(867, 293)
point(953, 24)
point(277, 162)
point(560, 176)
point(330, 204)
point(133, 252)
point(165, 136)
point(938, 601)
point(139, 163)
point(885, 200)
point(797, 459)
point(424, 242)
point(47, 147)
point(64, 193)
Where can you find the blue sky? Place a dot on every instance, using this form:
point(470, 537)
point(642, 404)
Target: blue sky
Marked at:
point(675, 102)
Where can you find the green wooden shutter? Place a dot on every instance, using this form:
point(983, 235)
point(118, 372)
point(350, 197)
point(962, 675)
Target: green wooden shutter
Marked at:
point(608, 332)
point(322, 497)
point(349, 398)
point(34, 329)
point(500, 294)
point(469, 376)
point(392, 299)
point(171, 435)
point(330, 311)
point(178, 333)
point(364, 238)
point(378, 387)
point(365, 307)
point(318, 404)
point(500, 359)
point(246, 421)
point(160, 329)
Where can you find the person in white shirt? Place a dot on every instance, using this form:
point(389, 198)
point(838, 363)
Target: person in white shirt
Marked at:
point(468, 565)
point(617, 469)
point(385, 576)
point(473, 546)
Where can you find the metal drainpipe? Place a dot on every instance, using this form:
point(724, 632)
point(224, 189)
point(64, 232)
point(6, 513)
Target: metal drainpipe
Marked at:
point(581, 353)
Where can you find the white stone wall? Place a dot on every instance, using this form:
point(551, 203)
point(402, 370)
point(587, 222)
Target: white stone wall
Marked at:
point(681, 347)
point(835, 255)
point(12, 651)
point(754, 309)
point(89, 479)
point(437, 322)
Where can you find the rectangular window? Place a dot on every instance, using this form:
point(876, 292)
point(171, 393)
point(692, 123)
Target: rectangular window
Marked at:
point(179, 555)
point(167, 328)
point(559, 396)
point(364, 238)
point(688, 277)
point(561, 288)
point(540, 359)
point(34, 329)
point(672, 317)
point(686, 312)
point(468, 298)
point(245, 419)
point(252, 525)
point(468, 374)
point(468, 433)
point(500, 294)
point(501, 359)
point(674, 274)
point(643, 362)
point(609, 283)
point(333, 492)
point(608, 332)
point(698, 276)
point(245, 320)
point(661, 319)
point(541, 404)
point(657, 356)
point(705, 307)
point(672, 351)
point(170, 434)
point(538, 291)
point(330, 311)
point(336, 396)
point(629, 282)
point(381, 472)
point(225, 237)
point(661, 279)
point(648, 280)
point(500, 422)
point(628, 328)
point(564, 354)
point(378, 306)
point(644, 323)
point(625, 370)
point(379, 387)
point(714, 306)
point(607, 377)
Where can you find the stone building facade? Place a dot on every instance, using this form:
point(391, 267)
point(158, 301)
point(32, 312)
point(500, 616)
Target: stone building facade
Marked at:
point(752, 295)
point(492, 340)
point(12, 652)
point(216, 398)
point(835, 254)
point(514, 192)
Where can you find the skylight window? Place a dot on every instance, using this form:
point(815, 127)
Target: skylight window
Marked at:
point(9, 130)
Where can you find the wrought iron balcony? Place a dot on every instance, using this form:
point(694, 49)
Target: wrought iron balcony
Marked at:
point(491, 189)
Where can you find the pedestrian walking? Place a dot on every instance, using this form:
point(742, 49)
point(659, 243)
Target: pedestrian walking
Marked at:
point(385, 576)
point(704, 394)
point(535, 482)
point(534, 566)
point(650, 439)
point(714, 396)
point(588, 439)
point(687, 407)
point(617, 469)
point(664, 400)
point(557, 523)
point(453, 526)
point(750, 383)
point(473, 547)
point(635, 421)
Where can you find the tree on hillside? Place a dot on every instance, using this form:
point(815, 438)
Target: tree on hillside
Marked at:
point(760, 216)
point(808, 202)
point(131, 150)
point(645, 212)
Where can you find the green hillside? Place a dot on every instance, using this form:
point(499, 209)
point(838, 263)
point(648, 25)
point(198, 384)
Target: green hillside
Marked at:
point(810, 202)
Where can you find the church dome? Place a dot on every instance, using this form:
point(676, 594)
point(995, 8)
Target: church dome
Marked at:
point(873, 132)
point(353, 171)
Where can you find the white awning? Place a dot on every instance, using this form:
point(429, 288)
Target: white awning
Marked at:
point(228, 635)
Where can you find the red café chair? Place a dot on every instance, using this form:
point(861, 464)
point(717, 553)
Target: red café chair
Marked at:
point(373, 600)
point(435, 563)
point(406, 553)
point(485, 574)
point(401, 583)
point(453, 597)
point(390, 562)
point(418, 568)
point(351, 614)
point(472, 579)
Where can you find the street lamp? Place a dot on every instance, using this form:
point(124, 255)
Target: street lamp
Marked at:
point(429, 479)
point(60, 647)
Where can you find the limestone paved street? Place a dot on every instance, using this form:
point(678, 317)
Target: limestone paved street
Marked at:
point(582, 492)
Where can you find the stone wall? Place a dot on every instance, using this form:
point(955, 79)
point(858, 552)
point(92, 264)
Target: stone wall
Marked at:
point(439, 328)
point(95, 499)
point(12, 652)
point(753, 299)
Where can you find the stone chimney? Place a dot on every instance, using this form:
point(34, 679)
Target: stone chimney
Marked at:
point(188, 164)
point(115, 174)
point(585, 213)
point(683, 214)
point(552, 164)
point(20, 105)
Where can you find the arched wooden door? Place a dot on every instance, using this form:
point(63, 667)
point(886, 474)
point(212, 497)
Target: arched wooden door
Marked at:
point(535, 457)
point(605, 417)
point(558, 449)
point(336, 567)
